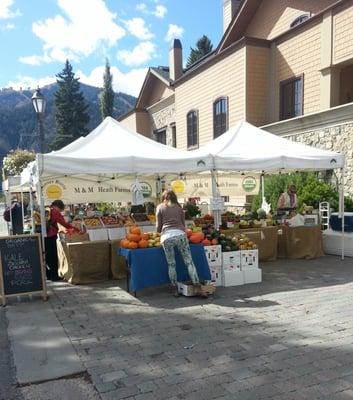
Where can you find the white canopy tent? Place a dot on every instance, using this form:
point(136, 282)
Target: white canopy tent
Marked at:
point(247, 148)
point(113, 149)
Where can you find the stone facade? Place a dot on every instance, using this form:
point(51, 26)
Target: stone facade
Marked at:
point(329, 130)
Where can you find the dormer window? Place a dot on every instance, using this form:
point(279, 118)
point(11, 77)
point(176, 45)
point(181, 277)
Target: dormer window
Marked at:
point(299, 20)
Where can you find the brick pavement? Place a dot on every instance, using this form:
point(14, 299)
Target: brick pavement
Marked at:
point(290, 337)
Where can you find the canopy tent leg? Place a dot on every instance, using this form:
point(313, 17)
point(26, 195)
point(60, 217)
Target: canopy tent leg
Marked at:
point(262, 188)
point(341, 210)
point(215, 195)
point(42, 214)
point(23, 209)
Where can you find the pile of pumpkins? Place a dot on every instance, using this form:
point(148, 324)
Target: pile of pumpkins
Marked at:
point(196, 235)
point(136, 239)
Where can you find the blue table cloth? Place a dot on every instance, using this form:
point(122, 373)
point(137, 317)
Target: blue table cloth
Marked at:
point(148, 267)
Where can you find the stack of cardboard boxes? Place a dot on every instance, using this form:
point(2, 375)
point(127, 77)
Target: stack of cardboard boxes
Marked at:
point(233, 268)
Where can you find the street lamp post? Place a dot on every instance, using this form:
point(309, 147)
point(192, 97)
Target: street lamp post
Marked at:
point(39, 102)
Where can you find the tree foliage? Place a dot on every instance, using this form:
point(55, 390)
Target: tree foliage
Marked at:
point(107, 95)
point(203, 47)
point(71, 116)
point(16, 161)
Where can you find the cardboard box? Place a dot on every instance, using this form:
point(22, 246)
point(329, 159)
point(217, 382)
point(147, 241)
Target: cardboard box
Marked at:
point(233, 278)
point(187, 289)
point(214, 255)
point(97, 234)
point(217, 276)
point(116, 233)
point(250, 258)
point(252, 275)
point(231, 261)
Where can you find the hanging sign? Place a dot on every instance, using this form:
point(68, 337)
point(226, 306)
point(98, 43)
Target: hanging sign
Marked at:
point(228, 185)
point(74, 190)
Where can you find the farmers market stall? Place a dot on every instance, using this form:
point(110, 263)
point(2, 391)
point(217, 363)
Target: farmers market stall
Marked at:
point(129, 155)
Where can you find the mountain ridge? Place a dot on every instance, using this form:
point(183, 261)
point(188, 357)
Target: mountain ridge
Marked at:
point(18, 121)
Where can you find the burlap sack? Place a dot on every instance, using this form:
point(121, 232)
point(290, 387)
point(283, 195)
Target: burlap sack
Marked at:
point(85, 262)
point(302, 242)
point(117, 263)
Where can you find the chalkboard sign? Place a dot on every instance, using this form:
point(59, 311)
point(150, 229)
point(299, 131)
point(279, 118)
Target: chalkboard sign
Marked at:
point(21, 266)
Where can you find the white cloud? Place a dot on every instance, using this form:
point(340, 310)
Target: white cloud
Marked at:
point(86, 26)
point(5, 9)
point(7, 27)
point(140, 54)
point(130, 82)
point(137, 27)
point(25, 82)
point(141, 7)
point(174, 32)
point(160, 11)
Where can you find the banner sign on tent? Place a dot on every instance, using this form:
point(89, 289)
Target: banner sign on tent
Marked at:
point(73, 190)
point(228, 185)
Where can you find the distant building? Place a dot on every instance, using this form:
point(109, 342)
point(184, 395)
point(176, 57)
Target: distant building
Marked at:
point(286, 66)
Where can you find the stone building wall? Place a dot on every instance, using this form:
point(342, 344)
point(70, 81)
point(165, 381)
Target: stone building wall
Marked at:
point(337, 138)
point(329, 130)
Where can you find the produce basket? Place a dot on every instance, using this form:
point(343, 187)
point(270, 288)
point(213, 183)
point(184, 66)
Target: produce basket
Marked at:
point(93, 223)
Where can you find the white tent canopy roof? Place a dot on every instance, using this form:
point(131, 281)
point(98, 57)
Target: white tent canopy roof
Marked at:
point(112, 148)
point(247, 148)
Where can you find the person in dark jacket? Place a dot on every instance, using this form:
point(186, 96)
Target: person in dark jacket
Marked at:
point(16, 217)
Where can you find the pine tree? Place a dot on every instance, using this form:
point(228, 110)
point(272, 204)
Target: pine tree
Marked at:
point(107, 95)
point(71, 115)
point(203, 47)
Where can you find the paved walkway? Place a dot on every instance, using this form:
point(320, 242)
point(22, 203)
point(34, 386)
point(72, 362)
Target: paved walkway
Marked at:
point(290, 337)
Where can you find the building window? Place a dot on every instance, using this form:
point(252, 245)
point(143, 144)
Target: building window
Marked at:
point(161, 136)
point(174, 139)
point(192, 129)
point(299, 20)
point(220, 116)
point(291, 93)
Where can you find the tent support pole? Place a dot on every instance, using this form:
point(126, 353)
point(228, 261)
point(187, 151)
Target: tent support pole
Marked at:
point(42, 214)
point(215, 194)
point(23, 208)
point(262, 187)
point(341, 202)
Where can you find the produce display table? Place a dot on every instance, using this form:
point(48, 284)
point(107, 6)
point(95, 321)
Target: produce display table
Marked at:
point(300, 242)
point(266, 239)
point(148, 267)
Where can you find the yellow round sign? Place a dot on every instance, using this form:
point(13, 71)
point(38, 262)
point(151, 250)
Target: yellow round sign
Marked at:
point(178, 186)
point(54, 192)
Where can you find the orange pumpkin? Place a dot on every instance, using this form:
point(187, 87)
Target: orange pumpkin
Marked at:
point(188, 232)
point(145, 236)
point(133, 245)
point(195, 238)
point(132, 237)
point(200, 235)
point(135, 230)
point(143, 244)
point(206, 242)
point(124, 243)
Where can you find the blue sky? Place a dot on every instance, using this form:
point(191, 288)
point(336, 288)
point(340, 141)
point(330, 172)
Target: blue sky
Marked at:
point(36, 36)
